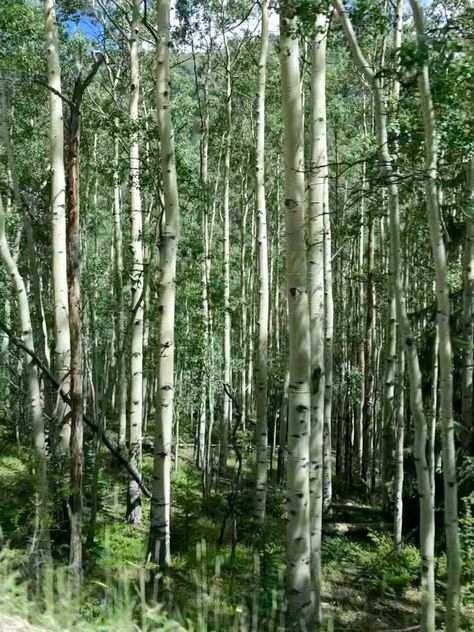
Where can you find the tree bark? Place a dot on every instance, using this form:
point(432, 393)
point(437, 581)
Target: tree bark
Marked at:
point(316, 290)
point(120, 355)
point(427, 525)
point(298, 549)
point(159, 539)
point(468, 317)
point(443, 315)
point(76, 440)
point(263, 294)
point(40, 540)
point(134, 509)
point(62, 345)
point(227, 416)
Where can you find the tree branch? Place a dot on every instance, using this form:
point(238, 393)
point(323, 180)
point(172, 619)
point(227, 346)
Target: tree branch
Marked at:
point(94, 427)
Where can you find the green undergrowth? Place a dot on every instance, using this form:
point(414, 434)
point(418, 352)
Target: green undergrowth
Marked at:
point(372, 562)
point(236, 585)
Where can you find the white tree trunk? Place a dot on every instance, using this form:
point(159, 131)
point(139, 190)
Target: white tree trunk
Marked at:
point(427, 525)
point(227, 416)
point(399, 413)
point(121, 385)
point(298, 548)
point(134, 510)
point(468, 315)
point(62, 345)
point(445, 350)
point(159, 540)
point(263, 306)
point(328, 356)
point(41, 538)
point(318, 185)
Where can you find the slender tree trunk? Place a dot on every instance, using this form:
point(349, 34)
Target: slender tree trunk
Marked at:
point(42, 333)
point(389, 395)
point(390, 442)
point(468, 316)
point(316, 291)
point(244, 311)
point(434, 412)
point(283, 430)
point(328, 356)
point(76, 442)
point(359, 422)
point(368, 426)
point(263, 306)
point(427, 525)
point(159, 540)
point(227, 416)
point(134, 509)
point(40, 539)
point(399, 412)
point(298, 526)
point(121, 385)
point(62, 345)
point(445, 350)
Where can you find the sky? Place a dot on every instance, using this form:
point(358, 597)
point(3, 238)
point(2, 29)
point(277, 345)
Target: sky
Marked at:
point(91, 28)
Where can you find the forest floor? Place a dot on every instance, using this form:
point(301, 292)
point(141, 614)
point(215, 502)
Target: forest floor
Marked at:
point(224, 577)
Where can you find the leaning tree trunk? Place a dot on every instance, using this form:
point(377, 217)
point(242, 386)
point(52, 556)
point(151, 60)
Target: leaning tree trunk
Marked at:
point(134, 509)
point(263, 294)
point(41, 537)
point(443, 314)
point(42, 333)
point(62, 345)
point(299, 402)
point(159, 539)
point(427, 525)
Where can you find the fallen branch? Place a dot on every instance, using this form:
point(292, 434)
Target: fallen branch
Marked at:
point(94, 427)
point(386, 557)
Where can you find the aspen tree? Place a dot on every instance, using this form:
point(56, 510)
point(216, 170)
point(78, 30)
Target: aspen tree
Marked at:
point(75, 325)
point(76, 441)
point(368, 403)
point(389, 444)
point(328, 355)
point(134, 511)
point(318, 186)
point(227, 416)
point(263, 294)
point(159, 538)
point(28, 229)
point(427, 525)
point(244, 311)
point(298, 550)
point(121, 387)
point(203, 106)
point(399, 415)
point(443, 306)
point(468, 313)
point(62, 345)
point(41, 537)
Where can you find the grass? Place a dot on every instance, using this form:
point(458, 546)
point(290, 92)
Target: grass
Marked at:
point(208, 588)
